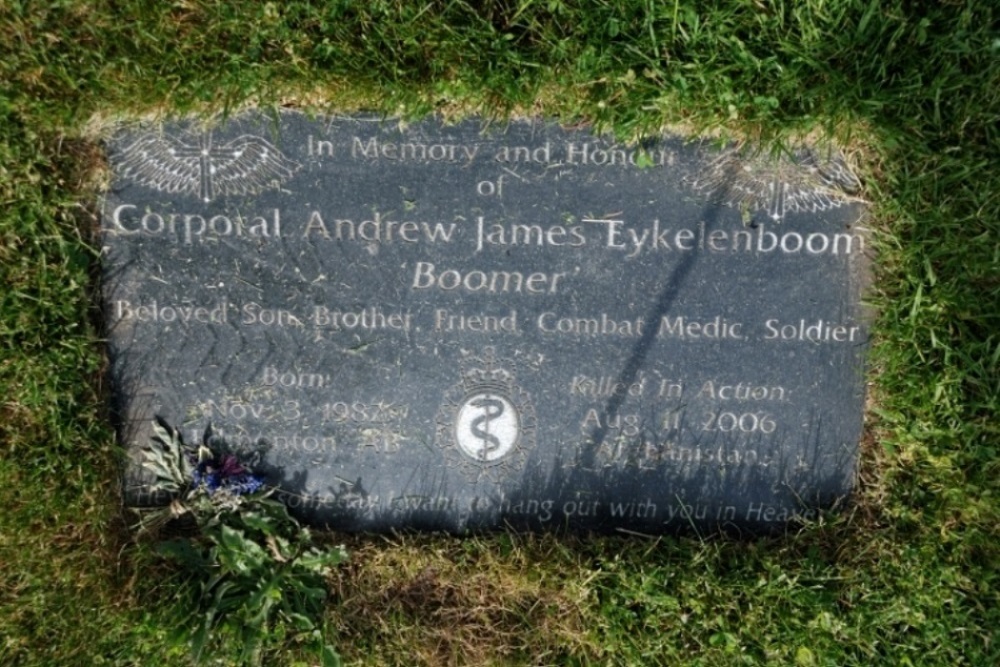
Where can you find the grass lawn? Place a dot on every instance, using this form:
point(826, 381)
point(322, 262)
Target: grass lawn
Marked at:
point(907, 575)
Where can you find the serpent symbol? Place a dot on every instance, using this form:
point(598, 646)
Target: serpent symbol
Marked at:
point(487, 426)
point(490, 442)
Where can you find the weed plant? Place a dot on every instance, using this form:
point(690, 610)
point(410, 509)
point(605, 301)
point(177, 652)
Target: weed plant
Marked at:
point(906, 575)
point(252, 570)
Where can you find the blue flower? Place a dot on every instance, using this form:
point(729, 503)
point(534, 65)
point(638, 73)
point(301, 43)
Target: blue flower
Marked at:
point(226, 473)
point(245, 484)
point(207, 478)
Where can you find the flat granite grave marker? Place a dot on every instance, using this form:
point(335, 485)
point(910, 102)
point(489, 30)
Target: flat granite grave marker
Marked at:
point(463, 327)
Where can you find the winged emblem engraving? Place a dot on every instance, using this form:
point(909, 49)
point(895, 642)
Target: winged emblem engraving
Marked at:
point(798, 181)
point(244, 165)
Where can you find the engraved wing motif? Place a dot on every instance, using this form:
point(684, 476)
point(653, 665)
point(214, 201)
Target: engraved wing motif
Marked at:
point(253, 165)
point(154, 161)
point(245, 165)
point(800, 181)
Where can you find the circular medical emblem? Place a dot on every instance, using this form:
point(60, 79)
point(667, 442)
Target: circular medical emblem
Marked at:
point(486, 423)
point(487, 426)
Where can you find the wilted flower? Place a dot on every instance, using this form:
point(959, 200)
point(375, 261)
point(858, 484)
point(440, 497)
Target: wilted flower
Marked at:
point(231, 467)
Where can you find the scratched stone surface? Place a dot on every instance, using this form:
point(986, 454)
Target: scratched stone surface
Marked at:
point(468, 327)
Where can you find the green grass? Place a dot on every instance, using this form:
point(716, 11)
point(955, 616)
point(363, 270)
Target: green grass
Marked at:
point(907, 575)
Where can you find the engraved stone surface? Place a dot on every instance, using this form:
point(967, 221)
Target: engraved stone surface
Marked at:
point(464, 327)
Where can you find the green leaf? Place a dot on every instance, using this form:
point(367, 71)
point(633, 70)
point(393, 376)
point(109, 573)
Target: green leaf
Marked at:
point(329, 656)
point(264, 596)
point(184, 552)
point(237, 553)
point(321, 561)
point(200, 635)
point(311, 592)
point(258, 521)
point(804, 657)
point(301, 622)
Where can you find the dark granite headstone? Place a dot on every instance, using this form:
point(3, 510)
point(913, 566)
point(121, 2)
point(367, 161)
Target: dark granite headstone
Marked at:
point(459, 327)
